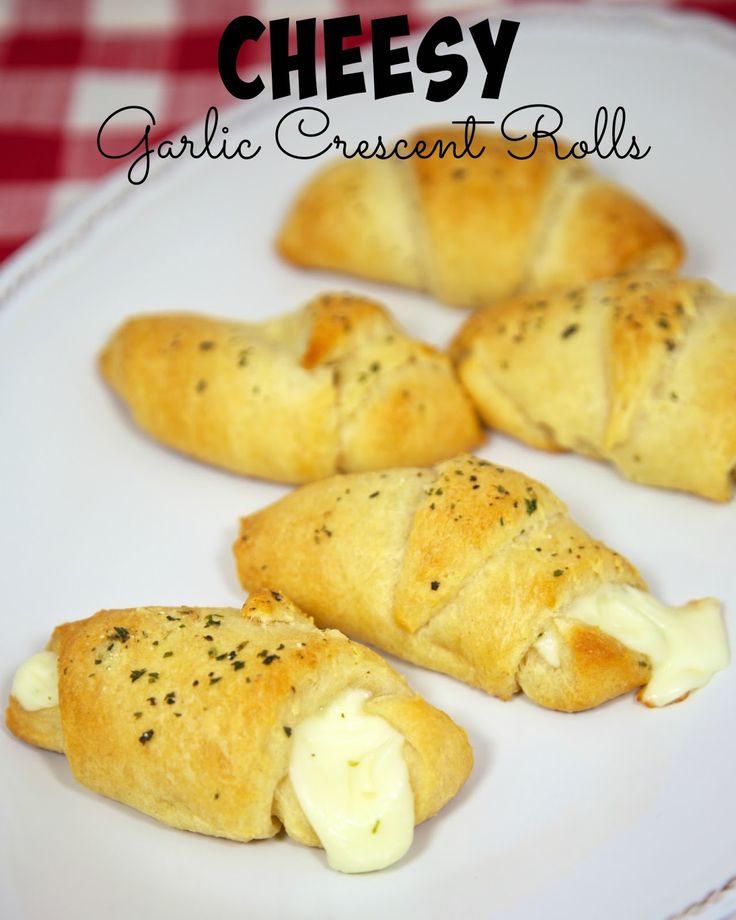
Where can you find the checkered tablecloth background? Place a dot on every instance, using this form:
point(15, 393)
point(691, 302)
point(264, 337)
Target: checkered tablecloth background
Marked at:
point(65, 65)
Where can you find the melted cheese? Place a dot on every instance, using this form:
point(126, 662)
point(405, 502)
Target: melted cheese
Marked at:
point(548, 648)
point(36, 682)
point(686, 645)
point(349, 774)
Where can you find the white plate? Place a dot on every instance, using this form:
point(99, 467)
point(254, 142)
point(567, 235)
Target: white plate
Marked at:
point(619, 812)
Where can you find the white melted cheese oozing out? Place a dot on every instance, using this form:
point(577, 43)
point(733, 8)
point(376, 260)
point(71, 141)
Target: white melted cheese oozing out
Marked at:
point(351, 779)
point(686, 645)
point(548, 648)
point(36, 682)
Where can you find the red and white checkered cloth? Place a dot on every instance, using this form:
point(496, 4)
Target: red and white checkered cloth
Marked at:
point(65, 65)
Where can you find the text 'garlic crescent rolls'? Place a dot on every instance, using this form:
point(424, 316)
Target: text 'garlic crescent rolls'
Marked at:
point(335, 386)
point(470, 230)
point(234, 723)
point(478, 571)
point(639, 370)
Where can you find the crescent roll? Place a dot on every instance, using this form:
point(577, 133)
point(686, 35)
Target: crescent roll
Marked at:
point(334, 386)
point(478, 571)
point(639, 370)
point(226, 722)
point(472, 230)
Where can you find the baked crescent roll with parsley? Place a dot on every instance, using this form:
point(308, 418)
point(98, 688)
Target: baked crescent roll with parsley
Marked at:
point(639, 370)
point(478, 571)
point(235, 723)
point(335, 386)
point(472, 230)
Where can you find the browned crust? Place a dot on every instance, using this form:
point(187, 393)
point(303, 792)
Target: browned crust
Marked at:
point(337, 385)
point(333, 321)
point(594, 668)
point(480, 216)
point(605, 231)
point(639, 370)
point(41, 728)
point(186, 713)
point(475, 229)
point(459, 568)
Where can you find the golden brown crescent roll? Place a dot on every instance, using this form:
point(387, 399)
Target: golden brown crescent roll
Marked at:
point(192, 715)
point(639, 370)
point(473, 230)
point(478, 571)
point(334, 386)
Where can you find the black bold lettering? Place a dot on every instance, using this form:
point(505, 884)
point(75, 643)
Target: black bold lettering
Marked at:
point(338, 57)
point(241, 30)
point(386, 83)
point(446, 31)
point(495, 56)
point(303, 60)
